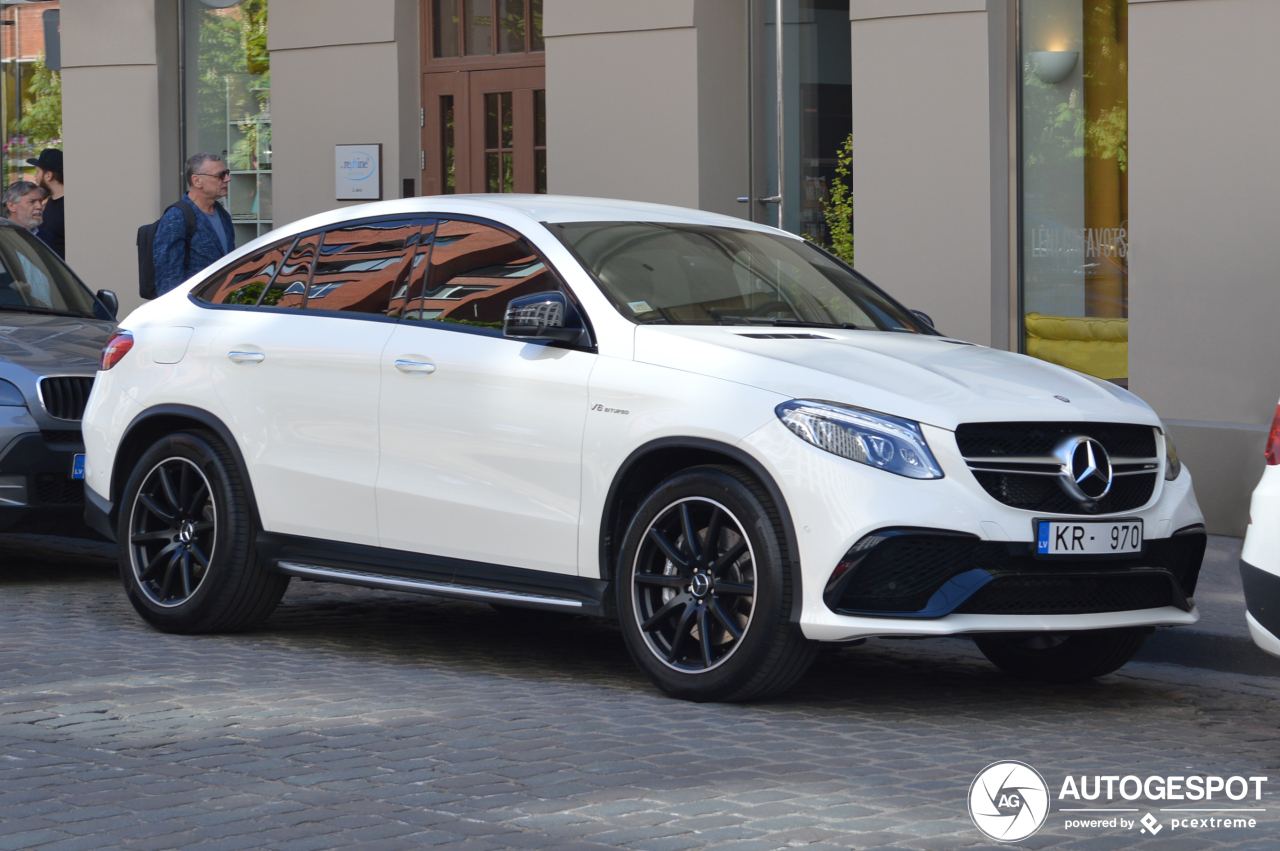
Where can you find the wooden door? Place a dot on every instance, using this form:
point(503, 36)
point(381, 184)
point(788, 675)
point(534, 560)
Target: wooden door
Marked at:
point(484, 131)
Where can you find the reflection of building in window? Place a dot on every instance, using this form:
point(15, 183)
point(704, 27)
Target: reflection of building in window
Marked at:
point(359, 267)
point(476, 270)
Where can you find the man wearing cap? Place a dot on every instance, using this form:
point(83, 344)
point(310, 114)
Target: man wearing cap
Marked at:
point(49, 178)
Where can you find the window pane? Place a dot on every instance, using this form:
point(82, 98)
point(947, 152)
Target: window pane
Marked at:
point(447, 151)
point(31, 276)
point(540, 118)
point(479, 27)
point(228, 102)
point(540, 171)
point(493, 172)
point(410, 307)
point(290, 284)
point(476, 269)
point(444, 28)
point(361, 267)
point(1075, 184)
point(508, 121)
point(535, 30)
point(244, 283)
point(492, 119)
point(511, 26)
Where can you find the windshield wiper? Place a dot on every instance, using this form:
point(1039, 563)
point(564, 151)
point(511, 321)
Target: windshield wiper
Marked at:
point(43, 311)
point(802, 323)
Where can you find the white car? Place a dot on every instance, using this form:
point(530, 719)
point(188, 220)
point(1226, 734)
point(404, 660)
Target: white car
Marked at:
point(1260, 557)
point(710, 430)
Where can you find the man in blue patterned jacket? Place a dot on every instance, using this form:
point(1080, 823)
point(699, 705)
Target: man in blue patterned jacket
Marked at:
point(207, 180)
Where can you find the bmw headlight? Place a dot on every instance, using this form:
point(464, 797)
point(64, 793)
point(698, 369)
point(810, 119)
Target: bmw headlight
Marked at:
point(10, 394)
point(877, 440)
point(1172, 466)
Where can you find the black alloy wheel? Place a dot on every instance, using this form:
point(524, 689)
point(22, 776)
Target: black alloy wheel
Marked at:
point(704, 589)
point(172, 532)
point(694, 585)
point(186, 531)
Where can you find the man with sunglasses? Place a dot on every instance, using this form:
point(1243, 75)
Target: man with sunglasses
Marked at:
point(188, 240)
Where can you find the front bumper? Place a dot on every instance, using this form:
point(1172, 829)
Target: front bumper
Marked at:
point(37, 492)
point(835, 503)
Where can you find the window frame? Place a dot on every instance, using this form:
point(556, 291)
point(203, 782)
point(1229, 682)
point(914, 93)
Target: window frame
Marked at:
point(494, 59)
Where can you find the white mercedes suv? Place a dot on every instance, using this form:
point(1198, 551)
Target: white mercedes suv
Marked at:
point(710, 430)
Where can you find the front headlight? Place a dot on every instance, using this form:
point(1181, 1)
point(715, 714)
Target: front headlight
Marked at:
point(877, 440)
point(1172, 466)
point(11, 395)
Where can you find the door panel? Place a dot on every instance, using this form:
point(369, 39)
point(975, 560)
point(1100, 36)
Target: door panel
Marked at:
point(306, 418)
point(445, 100)
point(482, 455)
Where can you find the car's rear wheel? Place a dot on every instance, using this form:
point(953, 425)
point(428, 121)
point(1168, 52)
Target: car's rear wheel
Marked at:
point(704, 590)
point(186, 531)
point(1061, 657)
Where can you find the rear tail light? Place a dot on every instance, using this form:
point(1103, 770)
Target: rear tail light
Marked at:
point(115, 349)
point(1273, 440)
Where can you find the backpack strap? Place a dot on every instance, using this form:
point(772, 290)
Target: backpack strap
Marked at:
point(189, 213)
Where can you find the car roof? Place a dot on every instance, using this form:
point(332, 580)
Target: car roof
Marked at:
point(532, 208)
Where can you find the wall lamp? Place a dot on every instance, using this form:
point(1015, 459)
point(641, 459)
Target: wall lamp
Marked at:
point(1053, 66)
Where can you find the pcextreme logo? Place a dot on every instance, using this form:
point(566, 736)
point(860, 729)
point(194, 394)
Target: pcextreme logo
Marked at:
point(1010, 801)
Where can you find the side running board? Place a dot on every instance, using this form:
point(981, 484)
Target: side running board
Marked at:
point(441, 589)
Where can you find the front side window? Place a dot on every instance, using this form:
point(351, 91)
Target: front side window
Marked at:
point(33, 280)
point(697, 275)
point(361, 266)
point(476, 269)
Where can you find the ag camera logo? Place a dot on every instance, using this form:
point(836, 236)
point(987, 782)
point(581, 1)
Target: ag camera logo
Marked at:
point(1008, 801)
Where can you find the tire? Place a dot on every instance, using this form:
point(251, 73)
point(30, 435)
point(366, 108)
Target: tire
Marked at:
point(672, 595)
point(1061, 658)
point(186, 533)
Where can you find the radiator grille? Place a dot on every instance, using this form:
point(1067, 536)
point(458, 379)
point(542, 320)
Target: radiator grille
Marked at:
point(64, 396)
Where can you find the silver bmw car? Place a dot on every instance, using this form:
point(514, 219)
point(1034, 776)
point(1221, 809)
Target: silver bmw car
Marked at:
point(52, 329)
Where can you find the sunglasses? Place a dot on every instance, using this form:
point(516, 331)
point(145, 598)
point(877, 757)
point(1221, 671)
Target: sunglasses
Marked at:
point(222, 175)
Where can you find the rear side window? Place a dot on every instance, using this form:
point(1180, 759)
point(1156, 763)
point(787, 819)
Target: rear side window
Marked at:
point(289, 287)
point(361, 267)
point(476, 269)
point(245, 282)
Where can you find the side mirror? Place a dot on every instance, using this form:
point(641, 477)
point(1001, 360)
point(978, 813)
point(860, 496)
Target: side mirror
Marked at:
point(110, 302)
point(544, 316)
point(925, 318)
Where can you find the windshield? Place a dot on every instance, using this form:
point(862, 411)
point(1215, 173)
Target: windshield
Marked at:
point(697, 275)
point(34, 280)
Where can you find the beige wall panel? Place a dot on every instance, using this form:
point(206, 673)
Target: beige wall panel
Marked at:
point(921, 166)
point(110, 115)
point(576, 17)
point(120, 32)
point(321, 23)
point(622, 116)
point(328, 96)
point(724, 123)
point(1204, 290)
point(1226, 464)
point(867, 9)
point(1204, 302)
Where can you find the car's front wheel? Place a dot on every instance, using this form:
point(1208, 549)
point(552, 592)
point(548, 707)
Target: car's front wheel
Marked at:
point(704, 590)
point(1061, 657)
point(186, 531)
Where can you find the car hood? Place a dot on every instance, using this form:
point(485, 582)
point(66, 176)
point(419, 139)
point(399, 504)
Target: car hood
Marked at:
point(43, 343)
point(932, 380)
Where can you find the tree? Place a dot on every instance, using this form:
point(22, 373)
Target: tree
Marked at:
point(837, 207)
point(41, 120)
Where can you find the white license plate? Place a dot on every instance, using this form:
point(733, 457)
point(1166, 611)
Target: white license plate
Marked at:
point(1086, 538)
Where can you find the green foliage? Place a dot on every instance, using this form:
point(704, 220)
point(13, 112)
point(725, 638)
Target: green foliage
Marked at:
point(234, 81)
point(41, 120)
point(837, 207)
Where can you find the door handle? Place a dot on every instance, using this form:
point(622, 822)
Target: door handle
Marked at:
point(413, 366)
point(246, 357)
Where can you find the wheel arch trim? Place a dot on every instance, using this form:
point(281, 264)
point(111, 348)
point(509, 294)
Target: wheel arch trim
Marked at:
point(735, 455)
point(209, 420)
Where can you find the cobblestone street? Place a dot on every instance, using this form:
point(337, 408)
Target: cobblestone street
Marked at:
point(358, 718)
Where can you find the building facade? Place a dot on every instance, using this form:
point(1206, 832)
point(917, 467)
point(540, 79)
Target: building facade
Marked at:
point(1091, 183)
